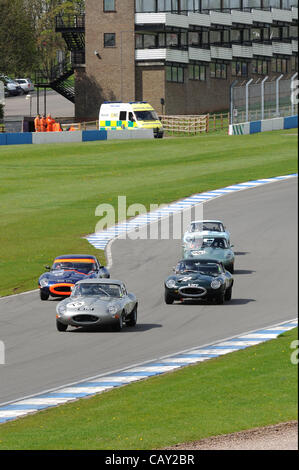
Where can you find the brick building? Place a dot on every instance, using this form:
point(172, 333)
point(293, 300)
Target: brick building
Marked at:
point(187, 52)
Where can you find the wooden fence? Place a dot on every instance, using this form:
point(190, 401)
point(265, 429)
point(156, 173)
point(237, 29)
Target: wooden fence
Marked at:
point(175, 125)
point(190, 125)
point(81, 126)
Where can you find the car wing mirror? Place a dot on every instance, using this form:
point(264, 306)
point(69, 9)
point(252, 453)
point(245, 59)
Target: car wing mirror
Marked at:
point(47, 267)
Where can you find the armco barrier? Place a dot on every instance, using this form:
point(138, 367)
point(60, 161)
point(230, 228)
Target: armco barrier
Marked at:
point(72, 136)
point(290, 122)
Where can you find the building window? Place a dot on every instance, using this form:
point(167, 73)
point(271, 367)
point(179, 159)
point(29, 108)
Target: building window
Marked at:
point(231, 4)
point(274, 33)
point(235, 35)
point(218, 70)
point(197, 72)
point(260, 67)
point(139, 41)
point(294, 63)
point(279, 65)
point(211, 5)
point(293, 32)
point(172, 39)
point(109, 5)
point(256, 34)
point(174, 74)
point(215, 37)
point(109, 40)
point(194, 38)
point(149, 41)
point(145, 6)
point(284, 66)
point(239, 69)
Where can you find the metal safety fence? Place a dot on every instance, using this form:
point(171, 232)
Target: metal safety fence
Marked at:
point(264, 98)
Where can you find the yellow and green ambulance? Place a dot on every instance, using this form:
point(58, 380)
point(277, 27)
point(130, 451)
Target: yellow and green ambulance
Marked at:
point(133, 115)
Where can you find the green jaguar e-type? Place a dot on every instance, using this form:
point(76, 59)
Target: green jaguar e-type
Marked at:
point(213, 248)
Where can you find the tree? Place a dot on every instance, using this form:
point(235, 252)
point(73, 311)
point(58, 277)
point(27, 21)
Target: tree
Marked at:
point(49, 43)
point(28, 40)
point(17, 39)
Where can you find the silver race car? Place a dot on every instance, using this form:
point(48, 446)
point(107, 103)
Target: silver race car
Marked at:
point(97, 302)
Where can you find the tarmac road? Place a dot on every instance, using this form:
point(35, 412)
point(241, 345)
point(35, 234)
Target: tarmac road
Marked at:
point(56, 104)
point(263, 226)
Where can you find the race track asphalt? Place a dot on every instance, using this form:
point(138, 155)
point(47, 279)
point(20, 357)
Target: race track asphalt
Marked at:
point(263, 226)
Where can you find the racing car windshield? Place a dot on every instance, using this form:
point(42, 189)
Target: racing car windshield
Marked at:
point(146, 115)
point(73, 266)
point(208, 226)
point(195, 266)
point(199, 243)
point(107, 290)
point(215, 242)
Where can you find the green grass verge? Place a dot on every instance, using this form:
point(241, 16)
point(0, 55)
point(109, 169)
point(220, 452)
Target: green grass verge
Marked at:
point(49, 193)
point(245, 389)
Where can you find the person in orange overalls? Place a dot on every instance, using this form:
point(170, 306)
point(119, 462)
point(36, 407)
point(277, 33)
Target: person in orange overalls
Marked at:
point(57, 127)
point(50, 123)
point(37, 123)
point(43, 124)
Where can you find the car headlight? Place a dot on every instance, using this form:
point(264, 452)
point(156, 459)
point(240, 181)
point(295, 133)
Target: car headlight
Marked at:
point(112, 309)
point(215, 284)
point(170, 284)
point(61, 308)
point(44, 282)
point(228, 255)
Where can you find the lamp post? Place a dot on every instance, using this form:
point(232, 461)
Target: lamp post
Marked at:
point(29, 97)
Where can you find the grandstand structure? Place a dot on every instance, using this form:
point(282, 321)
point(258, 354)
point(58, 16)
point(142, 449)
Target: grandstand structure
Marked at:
point(182, 56)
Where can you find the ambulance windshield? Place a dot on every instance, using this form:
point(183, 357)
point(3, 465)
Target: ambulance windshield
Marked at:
point(146, 115)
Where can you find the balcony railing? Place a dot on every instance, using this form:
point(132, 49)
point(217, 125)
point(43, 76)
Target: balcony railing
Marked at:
point(70, 22)
point(219, 6)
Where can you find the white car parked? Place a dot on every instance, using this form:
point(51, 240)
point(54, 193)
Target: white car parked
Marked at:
point(26, 84)
point(11, 86)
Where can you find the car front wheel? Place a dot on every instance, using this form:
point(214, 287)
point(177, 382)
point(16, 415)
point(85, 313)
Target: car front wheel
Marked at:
point(220, 299)
point(43, 295)
point(132, 317)
point(228, 293)
point(119, 324)
point(60, 326)
point(230, 268)
point(169, 299)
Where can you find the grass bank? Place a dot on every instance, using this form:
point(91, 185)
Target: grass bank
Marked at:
point(242, 390)
point(49, 193)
